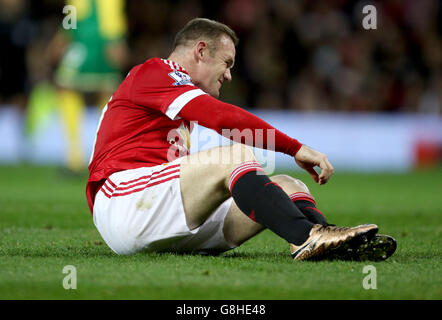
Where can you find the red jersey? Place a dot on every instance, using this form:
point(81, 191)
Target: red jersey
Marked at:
point(139, 127)
point(147, 123)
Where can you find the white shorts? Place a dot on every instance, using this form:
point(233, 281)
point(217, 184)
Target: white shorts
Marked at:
point(142, 210)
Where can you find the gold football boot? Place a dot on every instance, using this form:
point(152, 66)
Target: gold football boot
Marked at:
point(325, 239)
point(379, 248)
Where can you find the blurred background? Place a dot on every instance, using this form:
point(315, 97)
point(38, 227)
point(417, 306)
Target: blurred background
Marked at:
point(369, 99)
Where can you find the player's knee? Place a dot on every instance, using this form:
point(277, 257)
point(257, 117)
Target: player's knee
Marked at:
point(289, 184)
point(233, 157)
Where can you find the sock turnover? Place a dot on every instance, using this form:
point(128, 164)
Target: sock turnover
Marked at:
point(307, 204)
point(264, 201)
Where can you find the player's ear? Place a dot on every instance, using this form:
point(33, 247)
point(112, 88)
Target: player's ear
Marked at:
point(200, 50)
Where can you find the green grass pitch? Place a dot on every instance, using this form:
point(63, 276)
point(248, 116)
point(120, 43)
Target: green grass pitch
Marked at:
point(45, 225)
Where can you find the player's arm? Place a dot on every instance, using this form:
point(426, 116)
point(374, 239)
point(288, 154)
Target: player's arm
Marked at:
point(192, 104)
point(217, 115)
point(172, 98)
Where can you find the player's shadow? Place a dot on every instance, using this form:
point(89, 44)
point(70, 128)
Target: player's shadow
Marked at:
point(94, 251)
point(47, 252)
point(233, 255)
point(218, 254)
point(254, 255)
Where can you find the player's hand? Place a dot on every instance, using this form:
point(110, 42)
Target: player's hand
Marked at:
point(308, 159)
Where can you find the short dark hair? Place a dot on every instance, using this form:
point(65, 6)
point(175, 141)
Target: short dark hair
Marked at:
point(205, 29)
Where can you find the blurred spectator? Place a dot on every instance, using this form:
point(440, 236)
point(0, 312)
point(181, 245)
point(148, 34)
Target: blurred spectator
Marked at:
point(303, 55)
point(16, 31)
point(88, 56)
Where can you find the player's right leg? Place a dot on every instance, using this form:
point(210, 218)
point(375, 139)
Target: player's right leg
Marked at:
point(209, 176)
point(238, 228)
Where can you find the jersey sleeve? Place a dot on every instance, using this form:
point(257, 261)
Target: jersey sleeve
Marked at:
point(224, 117)
point(162, 88)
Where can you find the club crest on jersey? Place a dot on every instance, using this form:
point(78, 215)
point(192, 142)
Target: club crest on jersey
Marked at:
point(180, 78)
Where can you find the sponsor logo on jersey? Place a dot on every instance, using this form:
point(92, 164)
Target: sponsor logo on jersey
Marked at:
point(180, 78)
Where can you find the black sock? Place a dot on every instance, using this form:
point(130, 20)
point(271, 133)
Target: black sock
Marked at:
point(265, 202)
point(307, 204)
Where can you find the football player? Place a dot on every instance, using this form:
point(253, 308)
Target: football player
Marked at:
point(147, 193)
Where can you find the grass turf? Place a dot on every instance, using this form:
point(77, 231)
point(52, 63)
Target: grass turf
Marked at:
point(45, 225)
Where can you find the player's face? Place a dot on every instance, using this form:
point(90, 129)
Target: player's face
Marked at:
point(215, 68)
